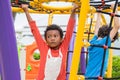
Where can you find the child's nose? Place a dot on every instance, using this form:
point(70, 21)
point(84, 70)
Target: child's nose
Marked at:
point(53, 38)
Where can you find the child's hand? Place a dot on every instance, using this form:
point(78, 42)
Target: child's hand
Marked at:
point(24, 7)
point(75, 6)
point(112, 6)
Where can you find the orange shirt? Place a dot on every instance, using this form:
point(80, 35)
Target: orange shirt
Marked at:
point(43, 48)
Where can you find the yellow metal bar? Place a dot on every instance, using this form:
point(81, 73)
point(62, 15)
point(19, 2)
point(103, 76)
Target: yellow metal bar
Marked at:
point(16, 9)
point(58, 0)
point(50, 19)
point(109, 70)
point(79, 38)
point(103, 20)
point(46, 6)
point(35, 0)
point(55, 10)
point(81, 77)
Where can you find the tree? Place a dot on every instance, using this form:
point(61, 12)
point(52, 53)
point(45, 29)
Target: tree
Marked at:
point(36, 56)
point(116, 66)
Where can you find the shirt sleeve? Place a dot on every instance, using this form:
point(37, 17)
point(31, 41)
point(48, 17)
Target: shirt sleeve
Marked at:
point(93, 39)
point(38, 38)
point(108, 42)
point(69, 31)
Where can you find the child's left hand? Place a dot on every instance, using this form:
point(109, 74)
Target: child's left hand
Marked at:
point(75, 6)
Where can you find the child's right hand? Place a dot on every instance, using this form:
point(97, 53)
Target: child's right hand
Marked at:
point(112, 7)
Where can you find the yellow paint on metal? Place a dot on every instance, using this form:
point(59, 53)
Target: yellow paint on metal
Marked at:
point(103, 20)
point(79, 38)
point(58, 1)
point(16, 9)
point(86, 44)
point(109, 70)
point(35, 0)
point(50, 19)
point(46, 6)
point(81, 77)
point(40, 5)
point(92, 10)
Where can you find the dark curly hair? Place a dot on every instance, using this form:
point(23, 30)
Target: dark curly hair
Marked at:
point(104, 31)
point(53, 27)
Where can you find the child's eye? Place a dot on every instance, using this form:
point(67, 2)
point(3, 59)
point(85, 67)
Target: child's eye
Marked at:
point(55, 36)
point(48, 36)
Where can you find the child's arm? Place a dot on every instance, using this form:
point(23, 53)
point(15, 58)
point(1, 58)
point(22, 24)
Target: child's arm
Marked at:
point(98, 23)
point(34, 29)
point(25, 8)
point(75, 6)
point(70, 27)
point(116, 25)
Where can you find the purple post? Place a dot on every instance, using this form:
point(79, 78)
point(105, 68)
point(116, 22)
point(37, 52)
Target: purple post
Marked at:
point(9, 64)
point(82, 61)
point(0, 72)
point(71, 47)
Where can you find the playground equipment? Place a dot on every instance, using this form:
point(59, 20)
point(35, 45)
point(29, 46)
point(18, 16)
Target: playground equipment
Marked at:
point(38, 7)
point(8, 48)
point(32, 65)
point(43, 8)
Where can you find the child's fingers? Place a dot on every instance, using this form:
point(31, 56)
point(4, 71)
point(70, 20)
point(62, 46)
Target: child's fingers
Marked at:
point(20, 6)
point(112, 6)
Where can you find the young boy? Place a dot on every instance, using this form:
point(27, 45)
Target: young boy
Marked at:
point(96, 53)
point(53, 52)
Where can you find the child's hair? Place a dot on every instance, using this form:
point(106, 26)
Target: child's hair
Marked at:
point(104, 31)
point(53, 27)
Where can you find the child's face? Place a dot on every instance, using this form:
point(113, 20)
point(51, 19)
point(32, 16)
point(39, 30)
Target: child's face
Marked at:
point(53, 38)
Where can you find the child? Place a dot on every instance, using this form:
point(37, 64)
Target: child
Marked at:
point(54, 51)
point(96, 53)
